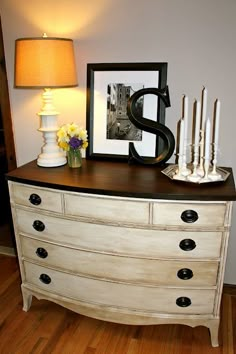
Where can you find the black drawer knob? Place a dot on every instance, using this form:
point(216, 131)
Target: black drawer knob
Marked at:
point(38, 225)
point(41, 252)
point(185, 274)
point(187, 244)
point(183, 301)
point(44, 278)
point(35, 199)
point(189, 216)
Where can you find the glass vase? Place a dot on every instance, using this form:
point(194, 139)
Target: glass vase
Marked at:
point(74, 158)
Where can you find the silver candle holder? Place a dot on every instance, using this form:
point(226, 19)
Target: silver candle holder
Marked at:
point(203, 167)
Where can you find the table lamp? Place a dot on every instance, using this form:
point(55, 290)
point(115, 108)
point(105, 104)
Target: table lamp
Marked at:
point(46, 63)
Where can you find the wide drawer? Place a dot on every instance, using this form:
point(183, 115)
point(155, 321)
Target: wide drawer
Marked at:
point(124, 269)
point(189, 214)
point(162, 300)
point(121, 240)
point(107, 209)
point(37, 198)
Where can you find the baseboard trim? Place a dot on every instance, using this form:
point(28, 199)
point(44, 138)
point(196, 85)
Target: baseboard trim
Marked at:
point(8, 251)
point(229, 289)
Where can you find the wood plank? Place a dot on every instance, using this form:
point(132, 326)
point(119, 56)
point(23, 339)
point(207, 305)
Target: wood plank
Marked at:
point(227, 325)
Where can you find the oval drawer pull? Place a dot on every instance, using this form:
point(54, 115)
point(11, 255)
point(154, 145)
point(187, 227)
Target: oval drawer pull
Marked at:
point(183, 301)
point(41, 252)
point(35, 199)
point(44, 278)
point(189, 216)
point(187, 244)
point(38, 225)
point(185, 273)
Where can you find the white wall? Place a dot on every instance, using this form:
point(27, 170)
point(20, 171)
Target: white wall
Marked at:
point(196, 38)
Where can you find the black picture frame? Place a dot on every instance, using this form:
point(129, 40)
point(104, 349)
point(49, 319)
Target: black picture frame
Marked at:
point(99, 76)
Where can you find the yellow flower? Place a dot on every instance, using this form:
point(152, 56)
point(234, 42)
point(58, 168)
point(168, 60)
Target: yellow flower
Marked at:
point(62, 134)
point(85, 145)
point(72, 130)
point(83, 135)
point(63, 145)
point(68, 133)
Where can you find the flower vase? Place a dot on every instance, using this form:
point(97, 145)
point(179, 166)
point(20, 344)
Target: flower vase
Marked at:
point(74, 158)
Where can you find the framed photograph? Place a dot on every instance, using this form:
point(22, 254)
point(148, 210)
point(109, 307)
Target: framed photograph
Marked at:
point(109, 86)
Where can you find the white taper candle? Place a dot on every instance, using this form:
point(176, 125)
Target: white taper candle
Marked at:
point(204, 108)
point(217, 124)
point(185, 116)
point(207, 139)
point(197, 125)
point(215, 175)
point(181, 140)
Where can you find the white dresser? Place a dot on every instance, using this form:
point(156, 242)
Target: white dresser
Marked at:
point(122, 243)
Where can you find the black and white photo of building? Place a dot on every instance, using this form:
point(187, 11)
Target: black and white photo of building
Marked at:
point(119, 127)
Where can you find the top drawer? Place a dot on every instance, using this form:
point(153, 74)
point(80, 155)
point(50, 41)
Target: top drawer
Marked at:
point(37, 198)
point(115, 210)
point(189, 214)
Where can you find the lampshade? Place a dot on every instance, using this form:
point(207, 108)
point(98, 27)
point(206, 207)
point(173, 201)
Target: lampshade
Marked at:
point(44, 62)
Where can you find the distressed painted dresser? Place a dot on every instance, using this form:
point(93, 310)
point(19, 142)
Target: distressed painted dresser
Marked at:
point(122, 243)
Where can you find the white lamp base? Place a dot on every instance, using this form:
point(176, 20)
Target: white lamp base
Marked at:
point(49, 160)
point(51, 155)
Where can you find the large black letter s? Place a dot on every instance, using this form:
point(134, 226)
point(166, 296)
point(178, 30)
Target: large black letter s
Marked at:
point(151, 127)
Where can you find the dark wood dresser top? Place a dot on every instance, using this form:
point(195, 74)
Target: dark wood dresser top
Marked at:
point(121, 179)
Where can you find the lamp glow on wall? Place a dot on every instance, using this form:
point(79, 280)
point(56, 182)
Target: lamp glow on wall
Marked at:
point(47, 63)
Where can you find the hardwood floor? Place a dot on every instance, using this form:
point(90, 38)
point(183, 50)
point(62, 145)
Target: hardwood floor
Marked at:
point(6, 237)
point(49, 328)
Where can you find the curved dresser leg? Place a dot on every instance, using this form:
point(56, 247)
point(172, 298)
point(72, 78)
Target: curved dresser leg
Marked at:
point(214, 332)
point(27, 299)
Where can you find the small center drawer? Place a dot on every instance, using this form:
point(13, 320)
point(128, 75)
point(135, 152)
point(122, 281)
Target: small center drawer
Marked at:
point(107, 209)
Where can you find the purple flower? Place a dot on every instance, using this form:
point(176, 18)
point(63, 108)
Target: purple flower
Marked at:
point(75, 142)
